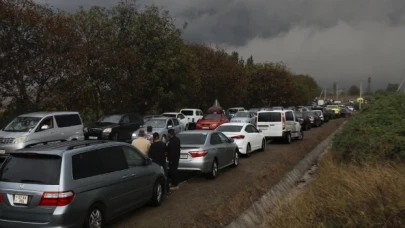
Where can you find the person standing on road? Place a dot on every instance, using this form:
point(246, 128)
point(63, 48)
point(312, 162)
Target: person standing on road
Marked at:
point(149, 134)
point(157, 152)
point(173, 150)
point(141, 143)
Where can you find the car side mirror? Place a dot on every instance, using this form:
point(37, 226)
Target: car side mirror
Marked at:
point(44, 127)
point(170, 126)
point(231, 140)
point(260, 130)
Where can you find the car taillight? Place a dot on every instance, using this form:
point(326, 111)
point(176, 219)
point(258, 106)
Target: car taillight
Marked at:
point(238, 137)
point(197, 154)
point(1, 198)
point(283, 119)
point(57, 198)
point(301, 120)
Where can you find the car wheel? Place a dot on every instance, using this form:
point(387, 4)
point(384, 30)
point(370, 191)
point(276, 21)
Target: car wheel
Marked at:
point(288, 138)
point(301, 135)
point(158, 193)
point(263, 148)
point(95, 217)
point(214, 169)
point(236, 158)
point(248, 150)
point(164, 139)
point(115, 137)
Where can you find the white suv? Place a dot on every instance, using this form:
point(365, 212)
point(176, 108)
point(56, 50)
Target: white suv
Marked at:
point(280, 124)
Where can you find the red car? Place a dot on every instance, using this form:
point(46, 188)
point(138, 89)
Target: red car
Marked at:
point(211, 121)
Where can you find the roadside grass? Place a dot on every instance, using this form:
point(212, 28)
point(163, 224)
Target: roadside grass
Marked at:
point(347, 195)
point(361, 181)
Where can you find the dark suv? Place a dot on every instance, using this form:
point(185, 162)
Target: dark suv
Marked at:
point(117, 127)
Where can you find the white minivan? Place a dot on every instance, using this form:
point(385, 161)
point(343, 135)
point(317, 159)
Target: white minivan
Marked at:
point(39, 127)
point(280, 124)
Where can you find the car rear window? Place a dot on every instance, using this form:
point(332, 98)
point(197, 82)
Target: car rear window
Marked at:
point(233, 111)
point(192, 139)
point(298, 114)
point(187, 112)
point(212, 117)
point(269, 117)
point(229, 128)
point(31, 168)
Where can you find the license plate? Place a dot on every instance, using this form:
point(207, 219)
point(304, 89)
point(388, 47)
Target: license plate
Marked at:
point(2, 151)
point(21, 199)
point(183, 156)
point(93, 137)
point(205, 128)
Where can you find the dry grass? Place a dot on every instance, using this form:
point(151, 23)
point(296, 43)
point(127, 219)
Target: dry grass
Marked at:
point(347, 196)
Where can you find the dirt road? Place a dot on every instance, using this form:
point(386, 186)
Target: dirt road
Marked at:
point(214, 203)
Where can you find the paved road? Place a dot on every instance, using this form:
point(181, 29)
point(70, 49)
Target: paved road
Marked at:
point(213, 203)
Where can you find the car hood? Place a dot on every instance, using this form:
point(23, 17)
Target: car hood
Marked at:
point(240, 119)
point(103, 126)
point(9, 134)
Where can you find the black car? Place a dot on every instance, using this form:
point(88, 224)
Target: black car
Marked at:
point(303, 120)
point(117, 127)
point(326, 115)
point(316, 121)
point(331, 114)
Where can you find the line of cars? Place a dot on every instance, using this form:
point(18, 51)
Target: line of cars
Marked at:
point(52, 177)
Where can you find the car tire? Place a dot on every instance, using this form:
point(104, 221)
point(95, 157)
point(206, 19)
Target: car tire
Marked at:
point(158, 193)
point(235, 159)
point(95, 216)
point(288, 138)
point(248, 150)
point(164, 139)
point(214, 170)
point(263, 148)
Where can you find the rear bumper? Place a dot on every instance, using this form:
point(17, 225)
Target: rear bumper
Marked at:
point(195, 164)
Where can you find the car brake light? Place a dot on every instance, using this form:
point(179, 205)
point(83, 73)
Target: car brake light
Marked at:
point(57, 198)
point(238, 137)
point(197, 154)
point(1, 198)
point(283, 119)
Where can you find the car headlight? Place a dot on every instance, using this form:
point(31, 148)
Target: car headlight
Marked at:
point(134, 134)
point(107, 130)
point(20, 140)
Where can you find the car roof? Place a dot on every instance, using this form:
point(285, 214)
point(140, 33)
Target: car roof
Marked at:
point(172, 113)
point(196, 132)
point(43, 114)
point(237, 108)
point(162, 118)
point(59, 148)
point(234, 124)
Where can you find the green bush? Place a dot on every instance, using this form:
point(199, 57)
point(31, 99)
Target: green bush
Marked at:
point(377, 132)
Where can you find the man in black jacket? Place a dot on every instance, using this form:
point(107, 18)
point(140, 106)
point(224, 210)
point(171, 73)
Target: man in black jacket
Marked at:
point(157, 152)
point(173, 150)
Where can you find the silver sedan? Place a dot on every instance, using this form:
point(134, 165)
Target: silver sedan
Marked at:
point(207, 151)
point(244, 117)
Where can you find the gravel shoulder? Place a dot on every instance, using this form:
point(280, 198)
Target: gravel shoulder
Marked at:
point(201, 202)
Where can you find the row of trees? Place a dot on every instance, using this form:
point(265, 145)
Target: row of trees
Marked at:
point(126, 59)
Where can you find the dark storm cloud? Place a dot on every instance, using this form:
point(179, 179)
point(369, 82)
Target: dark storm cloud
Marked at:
point(334, 40)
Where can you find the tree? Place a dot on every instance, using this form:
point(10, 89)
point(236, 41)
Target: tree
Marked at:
point(354, 90)
point(249, 61)
point(392, 87)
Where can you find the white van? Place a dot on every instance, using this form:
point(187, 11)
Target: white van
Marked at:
point(39, 127)
point(280, 124)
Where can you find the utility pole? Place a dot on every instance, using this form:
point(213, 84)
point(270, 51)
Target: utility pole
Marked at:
point(361, 84)
point(337, 93)
point(324, 95)
point(400, 85)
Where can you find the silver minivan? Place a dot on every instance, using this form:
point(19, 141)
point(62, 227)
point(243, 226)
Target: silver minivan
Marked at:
point(38, 127)
point(76, 184)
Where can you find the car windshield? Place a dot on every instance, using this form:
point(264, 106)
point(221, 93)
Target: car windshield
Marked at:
point(110, 119)
point(155, 123)
point(233, 111)
point(212, 117)
point(242, 114)
point(192, 139)
point(169, 115)
point(18, 169)
point(22, 124)
point(298, 114)
point(187, 112)
point(229, 128)
point(269, 117)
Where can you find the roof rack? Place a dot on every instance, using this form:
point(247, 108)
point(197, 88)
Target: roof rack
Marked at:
point(44, 143)
point(87, 144)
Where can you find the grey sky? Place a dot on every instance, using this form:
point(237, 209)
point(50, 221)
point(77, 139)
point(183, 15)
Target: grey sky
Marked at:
point(333, 40)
